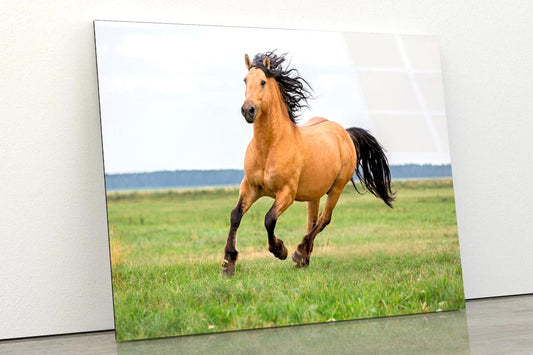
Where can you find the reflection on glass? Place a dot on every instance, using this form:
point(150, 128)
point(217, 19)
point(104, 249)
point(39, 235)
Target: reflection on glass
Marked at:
point(444, 332)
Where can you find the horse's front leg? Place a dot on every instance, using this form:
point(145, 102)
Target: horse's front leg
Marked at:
point(284, 199)
point(247, 196)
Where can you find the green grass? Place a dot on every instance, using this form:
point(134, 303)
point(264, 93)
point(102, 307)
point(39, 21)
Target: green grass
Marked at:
point(167, 246)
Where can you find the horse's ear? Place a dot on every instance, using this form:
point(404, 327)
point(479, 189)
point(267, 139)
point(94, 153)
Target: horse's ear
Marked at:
point(266, 62)
point(247, 61)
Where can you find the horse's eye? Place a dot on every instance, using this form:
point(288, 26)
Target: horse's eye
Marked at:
point(263, 83)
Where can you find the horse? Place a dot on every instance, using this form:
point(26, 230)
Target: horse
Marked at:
point(290, 163)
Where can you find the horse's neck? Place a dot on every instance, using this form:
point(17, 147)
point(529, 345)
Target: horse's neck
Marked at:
point(273, 127)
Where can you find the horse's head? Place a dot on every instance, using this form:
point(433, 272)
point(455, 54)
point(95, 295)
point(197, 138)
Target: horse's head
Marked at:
point(257, 94)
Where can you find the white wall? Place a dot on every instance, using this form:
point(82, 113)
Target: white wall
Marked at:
point(54, 265)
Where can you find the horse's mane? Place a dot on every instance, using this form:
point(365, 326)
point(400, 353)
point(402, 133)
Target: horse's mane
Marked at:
point(295, 91)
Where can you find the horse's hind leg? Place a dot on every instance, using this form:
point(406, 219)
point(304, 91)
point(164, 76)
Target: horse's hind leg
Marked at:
point(312, 214)
point(284, 199)
point(302, 254)
point(247, 196)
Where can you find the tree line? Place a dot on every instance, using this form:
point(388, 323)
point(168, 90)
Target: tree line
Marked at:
point(198, 178)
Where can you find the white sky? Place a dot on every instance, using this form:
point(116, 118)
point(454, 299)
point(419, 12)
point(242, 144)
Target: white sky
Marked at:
point(170, 95)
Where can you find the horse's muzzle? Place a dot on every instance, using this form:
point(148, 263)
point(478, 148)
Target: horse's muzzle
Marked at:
point(249, 112)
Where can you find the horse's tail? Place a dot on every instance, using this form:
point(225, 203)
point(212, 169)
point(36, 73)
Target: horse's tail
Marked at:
point(372, 167)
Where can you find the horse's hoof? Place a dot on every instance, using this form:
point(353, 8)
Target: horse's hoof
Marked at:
point(279, 251)
point(283, 253)
point(228, 269)
point(299, 259)
point(229, 272)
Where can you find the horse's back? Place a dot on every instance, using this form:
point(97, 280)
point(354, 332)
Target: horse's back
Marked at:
point(321, 131)
point(314, 121)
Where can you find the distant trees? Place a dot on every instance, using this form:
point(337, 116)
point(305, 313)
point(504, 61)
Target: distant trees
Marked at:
point(197, 178)
point(178, 178)
point(420, 171)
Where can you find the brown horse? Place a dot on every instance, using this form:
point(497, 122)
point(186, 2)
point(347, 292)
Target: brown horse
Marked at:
point(303, 163)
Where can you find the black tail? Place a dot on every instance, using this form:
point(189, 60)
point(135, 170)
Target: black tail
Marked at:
point(372, 165)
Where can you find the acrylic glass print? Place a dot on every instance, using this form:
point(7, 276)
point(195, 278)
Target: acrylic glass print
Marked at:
point(262, 177)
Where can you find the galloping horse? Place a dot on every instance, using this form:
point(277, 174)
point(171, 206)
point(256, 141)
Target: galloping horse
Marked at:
point(298, 163)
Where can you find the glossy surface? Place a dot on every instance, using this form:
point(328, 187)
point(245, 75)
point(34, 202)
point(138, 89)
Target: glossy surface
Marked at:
point(488, 326)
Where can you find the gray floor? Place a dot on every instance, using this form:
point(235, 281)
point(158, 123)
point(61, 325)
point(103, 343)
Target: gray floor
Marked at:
point(490, 326)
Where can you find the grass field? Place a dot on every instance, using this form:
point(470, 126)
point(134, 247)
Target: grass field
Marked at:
point(371, 261)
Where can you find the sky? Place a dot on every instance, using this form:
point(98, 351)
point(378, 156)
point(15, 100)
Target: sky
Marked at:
point(170, 95)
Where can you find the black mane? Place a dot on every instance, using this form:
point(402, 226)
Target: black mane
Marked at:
point(295, 91)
